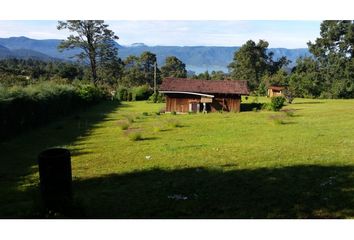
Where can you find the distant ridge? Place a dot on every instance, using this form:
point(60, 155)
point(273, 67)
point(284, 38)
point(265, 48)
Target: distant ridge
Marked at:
point(196, 58)
point(23, 54)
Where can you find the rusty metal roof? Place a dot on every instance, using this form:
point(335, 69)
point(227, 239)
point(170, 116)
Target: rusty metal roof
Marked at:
point(205, 86)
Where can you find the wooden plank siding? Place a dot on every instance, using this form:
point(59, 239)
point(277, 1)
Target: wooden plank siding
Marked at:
point(180, 103)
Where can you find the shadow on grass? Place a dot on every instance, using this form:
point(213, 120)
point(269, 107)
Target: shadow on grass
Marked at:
point(304, 191)
point(311, 102)
point(246, 107)
point(19, 155)
point(148, 138)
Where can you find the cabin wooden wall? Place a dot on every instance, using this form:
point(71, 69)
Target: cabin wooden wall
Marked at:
point(180, 103)
point(229, 103)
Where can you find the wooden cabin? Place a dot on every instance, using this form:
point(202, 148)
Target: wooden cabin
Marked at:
point(274, 91)
point(194, 95)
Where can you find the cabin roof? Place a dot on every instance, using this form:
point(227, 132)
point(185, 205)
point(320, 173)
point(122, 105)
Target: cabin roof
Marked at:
point(205, 86)
point(276, 88)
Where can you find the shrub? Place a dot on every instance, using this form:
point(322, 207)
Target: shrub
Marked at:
point(289, 112)
point(289, 96)
point(157, 98)
point(141, 93)
point(145, 114)
point(135, 136)
point(174, 123)
point(89, 92)
point(130, 118)
point(267, 106)
point(157, 128)
point(123, 124)
point(278, 119)
point(173, 113)
point(277, 103)
point(122, 94)
point(130, 96)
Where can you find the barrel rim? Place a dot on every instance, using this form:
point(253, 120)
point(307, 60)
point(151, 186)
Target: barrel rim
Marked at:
point(54, 153)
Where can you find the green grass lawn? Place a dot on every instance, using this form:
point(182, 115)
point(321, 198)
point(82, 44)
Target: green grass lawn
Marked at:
point(255, 164)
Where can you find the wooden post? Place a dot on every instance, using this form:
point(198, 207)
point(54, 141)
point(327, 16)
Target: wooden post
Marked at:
point(155, 66)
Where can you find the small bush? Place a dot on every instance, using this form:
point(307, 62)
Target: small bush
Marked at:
point(289, 96)
point(123, 124)
point(141, 93)
point(174, 123)
point(173, 113)
point(122, 94)
point(145, 114)
point(289, 113)
point(277, 103)
point(130, 118)
point(130, 96)
point(157, 128)
point(157, 113)
point(89, 92)
point(278, 119)
point(135, 136)
point(157, 98)
point(267, 106)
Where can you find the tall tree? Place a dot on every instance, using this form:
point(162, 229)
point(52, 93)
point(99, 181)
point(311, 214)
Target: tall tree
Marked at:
point(174, 68)
point(140, 70)
point(252, 61)
point(94, 39)
point(334, 51)
point(133, 74)
point(148, 61)
point(306, 79)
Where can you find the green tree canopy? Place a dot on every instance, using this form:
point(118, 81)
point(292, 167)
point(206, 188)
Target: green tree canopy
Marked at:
point(334, 51)
point(173, 68)
point(148, 61)
point(94, 39)
point(251, 62)
point(140, 70)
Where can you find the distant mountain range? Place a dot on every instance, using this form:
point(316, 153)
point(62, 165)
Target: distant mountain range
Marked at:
point(196, 58)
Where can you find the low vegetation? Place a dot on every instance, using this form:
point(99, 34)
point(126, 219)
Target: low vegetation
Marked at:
point(22, 108)
point(229, 165)
point(277, 103)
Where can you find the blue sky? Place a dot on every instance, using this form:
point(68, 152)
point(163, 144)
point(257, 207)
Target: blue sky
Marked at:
point(287, 34)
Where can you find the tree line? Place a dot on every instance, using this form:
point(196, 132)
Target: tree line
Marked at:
point(327, 73)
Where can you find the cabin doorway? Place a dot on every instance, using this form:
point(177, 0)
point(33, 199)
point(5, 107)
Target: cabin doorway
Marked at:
point(205, 107)
point(194, 107)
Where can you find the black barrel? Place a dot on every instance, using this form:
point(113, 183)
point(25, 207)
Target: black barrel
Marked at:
point(55, 178)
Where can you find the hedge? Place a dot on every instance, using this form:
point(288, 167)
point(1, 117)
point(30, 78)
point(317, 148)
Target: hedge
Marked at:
point(22, 108)
point(134, 94)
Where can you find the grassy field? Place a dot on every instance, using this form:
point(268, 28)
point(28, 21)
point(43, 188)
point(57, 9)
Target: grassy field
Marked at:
point(297, 163)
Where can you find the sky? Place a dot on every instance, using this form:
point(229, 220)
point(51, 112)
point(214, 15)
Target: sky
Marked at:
point(280, 33)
